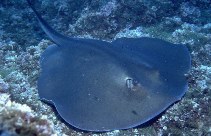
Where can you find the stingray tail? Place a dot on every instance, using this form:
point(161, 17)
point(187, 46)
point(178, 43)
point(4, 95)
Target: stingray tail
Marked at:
point(56, 37)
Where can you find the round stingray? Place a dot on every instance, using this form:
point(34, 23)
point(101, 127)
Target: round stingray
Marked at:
point(100, 86)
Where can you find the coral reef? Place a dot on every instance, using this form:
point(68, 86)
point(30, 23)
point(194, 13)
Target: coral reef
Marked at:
point(21, 43)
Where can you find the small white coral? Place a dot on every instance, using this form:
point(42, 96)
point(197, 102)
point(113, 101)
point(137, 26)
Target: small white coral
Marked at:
point(134, 33)
point(4, 98)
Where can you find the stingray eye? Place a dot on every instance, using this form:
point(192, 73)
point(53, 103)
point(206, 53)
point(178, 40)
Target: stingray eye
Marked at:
point(129, 83)
point(132, 84)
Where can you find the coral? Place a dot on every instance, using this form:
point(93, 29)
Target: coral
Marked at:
point(17, 119)
point(189, 11)
point(3, 85)
point(175, 21)
point(133, 33)
point(205, 79)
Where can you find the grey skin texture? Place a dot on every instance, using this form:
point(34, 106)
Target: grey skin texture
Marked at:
point(102, 86)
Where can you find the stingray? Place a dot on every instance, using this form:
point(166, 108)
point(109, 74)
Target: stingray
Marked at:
point(102, 86)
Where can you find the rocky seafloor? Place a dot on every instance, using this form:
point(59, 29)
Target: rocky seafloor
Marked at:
point(22, 42)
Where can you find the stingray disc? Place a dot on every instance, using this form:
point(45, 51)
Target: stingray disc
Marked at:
point(100, 86)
